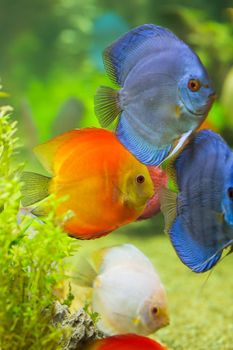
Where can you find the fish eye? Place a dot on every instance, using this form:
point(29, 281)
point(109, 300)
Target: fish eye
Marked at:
point(194, 85)
point(140, 179)
point(154, 310)
point(230, 192)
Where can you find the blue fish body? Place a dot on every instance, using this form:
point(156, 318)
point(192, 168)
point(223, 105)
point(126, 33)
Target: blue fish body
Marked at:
point(201, 229)
point(166, 91)
point(227, 202)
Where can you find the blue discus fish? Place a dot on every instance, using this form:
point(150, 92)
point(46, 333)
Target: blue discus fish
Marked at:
point(199, 218)
point(166, 92)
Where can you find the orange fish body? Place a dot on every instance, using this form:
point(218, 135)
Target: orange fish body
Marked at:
point(99, 178)
point(125, 342)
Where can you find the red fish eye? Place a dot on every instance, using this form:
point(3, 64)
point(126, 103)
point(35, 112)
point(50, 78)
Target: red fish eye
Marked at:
point(154, 310)
point(230, 192)
point(194, 85)
point(140, 179)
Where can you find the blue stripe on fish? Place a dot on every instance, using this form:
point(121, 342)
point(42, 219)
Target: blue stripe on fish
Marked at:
point(196, 257)
point(143, 151)
point(200, 233)
point(121, 56)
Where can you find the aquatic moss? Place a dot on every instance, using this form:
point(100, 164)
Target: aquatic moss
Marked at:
point(31, 260)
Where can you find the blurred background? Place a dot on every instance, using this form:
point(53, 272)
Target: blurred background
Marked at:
point(51, 57)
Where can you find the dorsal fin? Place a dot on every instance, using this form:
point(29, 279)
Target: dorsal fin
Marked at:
point(46, 151)
point(124, 53)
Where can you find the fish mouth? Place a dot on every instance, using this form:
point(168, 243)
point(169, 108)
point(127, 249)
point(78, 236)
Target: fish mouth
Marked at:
point(204, 109)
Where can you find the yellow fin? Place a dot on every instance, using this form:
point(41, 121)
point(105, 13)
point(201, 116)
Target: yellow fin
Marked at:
point(85, 273)
point(35, 188)
point(219, 217)
point(97, 257)
point(46, 151)
point(168, 206)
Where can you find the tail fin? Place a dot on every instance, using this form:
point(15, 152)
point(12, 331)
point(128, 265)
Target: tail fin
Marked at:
point(107, 106)
point(35, 188)
point(89, 267)
point(86, 273)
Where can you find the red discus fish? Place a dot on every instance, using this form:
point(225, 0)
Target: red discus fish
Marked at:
point(125, 342)
point(105, 186)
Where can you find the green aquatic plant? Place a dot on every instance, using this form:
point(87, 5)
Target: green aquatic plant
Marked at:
point(31, 260)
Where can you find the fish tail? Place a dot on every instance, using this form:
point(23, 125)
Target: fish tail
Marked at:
point(86, 273)
point(35, 188)
point(107, 105)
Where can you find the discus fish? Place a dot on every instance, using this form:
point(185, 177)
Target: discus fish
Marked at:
point(199, 218)
point(165, 92)
point(127, 292)
point(125, 342)
point(105, 186)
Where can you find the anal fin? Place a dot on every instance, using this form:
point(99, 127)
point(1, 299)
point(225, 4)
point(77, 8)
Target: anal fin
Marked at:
point(198, 257)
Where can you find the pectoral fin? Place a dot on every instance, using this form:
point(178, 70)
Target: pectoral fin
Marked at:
point(179, 145)
point(168, 205)
point(107, 106)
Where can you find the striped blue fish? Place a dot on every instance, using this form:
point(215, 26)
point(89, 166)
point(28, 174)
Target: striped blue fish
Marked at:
point(165, 92)
point(199, 218)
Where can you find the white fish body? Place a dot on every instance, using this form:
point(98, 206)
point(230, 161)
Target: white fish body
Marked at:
point(128, 293)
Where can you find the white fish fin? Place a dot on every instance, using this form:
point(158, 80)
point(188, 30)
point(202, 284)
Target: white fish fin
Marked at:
point(86, 273)
point(123, 254)
point(180, 143)
point(105, 326)
point(168, 200)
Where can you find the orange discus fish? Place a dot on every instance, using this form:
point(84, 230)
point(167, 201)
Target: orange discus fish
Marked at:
point(125, 342)
point(105, 186)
